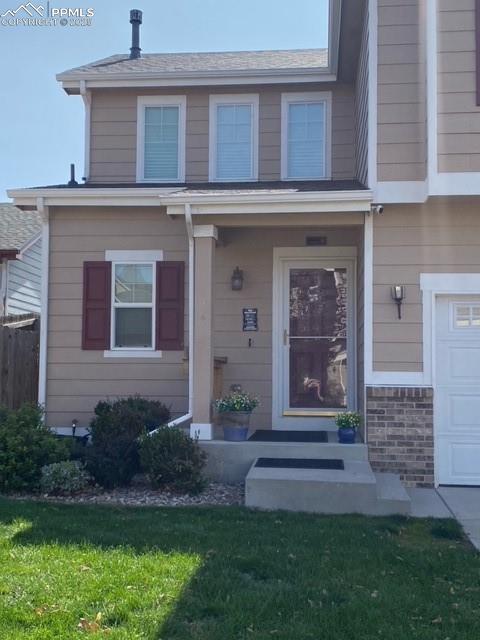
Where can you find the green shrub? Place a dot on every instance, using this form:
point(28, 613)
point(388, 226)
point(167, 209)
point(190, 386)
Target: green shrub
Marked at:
point(64, 478)
point(170, 457)
point(112, 457)
point(26, 445)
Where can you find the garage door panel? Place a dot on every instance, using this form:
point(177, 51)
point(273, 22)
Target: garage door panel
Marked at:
point(457, 392)
point(460, 460)
point(458, 364)
point(458, 411)
point(464, 363)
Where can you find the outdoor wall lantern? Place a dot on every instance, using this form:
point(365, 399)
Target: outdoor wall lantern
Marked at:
point(398, 296)
point(237, 279)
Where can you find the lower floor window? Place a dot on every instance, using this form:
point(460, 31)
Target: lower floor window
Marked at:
point(133, 305)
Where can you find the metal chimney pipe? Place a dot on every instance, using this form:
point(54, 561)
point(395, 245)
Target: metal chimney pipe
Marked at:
point(135, 21)
point(72, 182)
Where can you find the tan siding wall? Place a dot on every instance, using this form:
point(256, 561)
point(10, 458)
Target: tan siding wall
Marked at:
point(78, 379)
point(114, 122)
point(438, 237)
point(458, 114)
point(252, 251)
point(401, 90)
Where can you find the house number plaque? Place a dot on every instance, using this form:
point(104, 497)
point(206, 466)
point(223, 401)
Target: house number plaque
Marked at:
point(250, 319)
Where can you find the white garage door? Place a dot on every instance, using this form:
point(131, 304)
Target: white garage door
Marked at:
point(457, 393)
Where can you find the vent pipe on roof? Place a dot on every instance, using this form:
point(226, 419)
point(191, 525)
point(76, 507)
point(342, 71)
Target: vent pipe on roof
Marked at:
point(135, 21)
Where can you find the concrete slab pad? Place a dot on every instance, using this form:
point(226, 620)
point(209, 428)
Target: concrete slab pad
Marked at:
point(426, 503)
point(464, 502)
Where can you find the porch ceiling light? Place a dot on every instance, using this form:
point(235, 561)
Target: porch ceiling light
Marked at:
point(398, 296)
point(237, 279)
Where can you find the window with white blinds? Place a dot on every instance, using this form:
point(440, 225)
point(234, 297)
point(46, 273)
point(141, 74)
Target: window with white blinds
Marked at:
point(161, 139)
point(306, 136)
point(233, 138)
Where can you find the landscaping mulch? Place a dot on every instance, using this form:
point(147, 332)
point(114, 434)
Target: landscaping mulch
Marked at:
point(142, 495)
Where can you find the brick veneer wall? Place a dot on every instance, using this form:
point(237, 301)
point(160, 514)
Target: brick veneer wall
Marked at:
point(400, 433)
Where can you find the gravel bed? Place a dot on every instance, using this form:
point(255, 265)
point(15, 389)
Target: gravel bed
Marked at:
point(135, 496)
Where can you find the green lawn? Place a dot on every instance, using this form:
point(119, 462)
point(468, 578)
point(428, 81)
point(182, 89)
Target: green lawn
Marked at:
point(229, 573)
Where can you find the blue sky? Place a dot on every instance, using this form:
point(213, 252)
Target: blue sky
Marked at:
point(41, 129)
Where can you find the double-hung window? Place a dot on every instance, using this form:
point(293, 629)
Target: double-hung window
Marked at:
point(233, 138)
point(306, 136)
point(161, 138)
point(133, 304)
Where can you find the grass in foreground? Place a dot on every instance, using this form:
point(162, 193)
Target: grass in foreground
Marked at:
point(228, 573)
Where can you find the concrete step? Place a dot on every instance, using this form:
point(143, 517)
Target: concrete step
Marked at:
point(231, 461)
point(352, 490)
point(392, 495)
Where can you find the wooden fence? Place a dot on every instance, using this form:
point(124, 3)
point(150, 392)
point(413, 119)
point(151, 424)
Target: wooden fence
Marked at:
point(19, 351)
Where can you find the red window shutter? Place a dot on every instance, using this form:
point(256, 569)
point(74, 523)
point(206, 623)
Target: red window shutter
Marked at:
point(170, 306)
point(97, 280)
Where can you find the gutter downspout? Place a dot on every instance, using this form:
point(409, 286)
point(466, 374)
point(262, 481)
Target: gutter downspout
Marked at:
point(87, 101)
point(42, 368)
point(191, 293)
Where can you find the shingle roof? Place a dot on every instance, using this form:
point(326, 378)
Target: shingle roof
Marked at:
point(273, 186)
point(17, 227)
point(170, 63)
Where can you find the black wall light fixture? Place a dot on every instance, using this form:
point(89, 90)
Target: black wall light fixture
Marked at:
point(237, 279)
point(398, 296)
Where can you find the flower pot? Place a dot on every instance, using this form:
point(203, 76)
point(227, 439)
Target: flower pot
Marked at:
point(346, 435)
point(235, 425)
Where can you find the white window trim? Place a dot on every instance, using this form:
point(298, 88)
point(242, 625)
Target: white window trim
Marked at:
point(161, 101)
point(310, 96)
point(132, 257)
point(234, 98)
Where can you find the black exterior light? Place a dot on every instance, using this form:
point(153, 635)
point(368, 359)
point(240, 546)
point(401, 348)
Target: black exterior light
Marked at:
point(237, 279)
point(398, 296)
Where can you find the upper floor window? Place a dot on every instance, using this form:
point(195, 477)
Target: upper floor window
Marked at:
point(233, 137)
point(306, 136)
point(161, 138)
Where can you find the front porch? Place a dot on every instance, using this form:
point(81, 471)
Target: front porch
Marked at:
point(301, 349)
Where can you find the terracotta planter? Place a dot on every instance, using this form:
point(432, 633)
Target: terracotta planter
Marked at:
point(235, 425)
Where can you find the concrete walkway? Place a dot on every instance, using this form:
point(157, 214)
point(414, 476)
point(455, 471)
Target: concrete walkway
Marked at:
point(464, 503)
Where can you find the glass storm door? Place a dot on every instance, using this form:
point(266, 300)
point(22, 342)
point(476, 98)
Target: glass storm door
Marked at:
point(317, 338)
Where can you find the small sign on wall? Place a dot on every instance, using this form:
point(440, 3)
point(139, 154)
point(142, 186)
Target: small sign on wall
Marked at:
point(250, 319)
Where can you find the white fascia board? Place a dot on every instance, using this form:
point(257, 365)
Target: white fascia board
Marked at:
point(126, 197)
point(270, 203)
point(364, 196)
point(96, 81)
point(308, 202)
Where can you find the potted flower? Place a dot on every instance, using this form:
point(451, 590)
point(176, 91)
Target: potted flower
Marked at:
point(348, 422)
point(235, 410)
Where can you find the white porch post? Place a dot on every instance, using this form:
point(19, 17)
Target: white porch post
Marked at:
point(205, 237)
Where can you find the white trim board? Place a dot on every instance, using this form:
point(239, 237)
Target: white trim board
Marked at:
point(42, 366)
point(401, 192)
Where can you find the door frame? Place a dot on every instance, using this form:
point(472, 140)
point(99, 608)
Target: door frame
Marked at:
point(281, 256)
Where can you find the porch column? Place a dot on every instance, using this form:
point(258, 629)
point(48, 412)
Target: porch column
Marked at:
point(205, 237)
